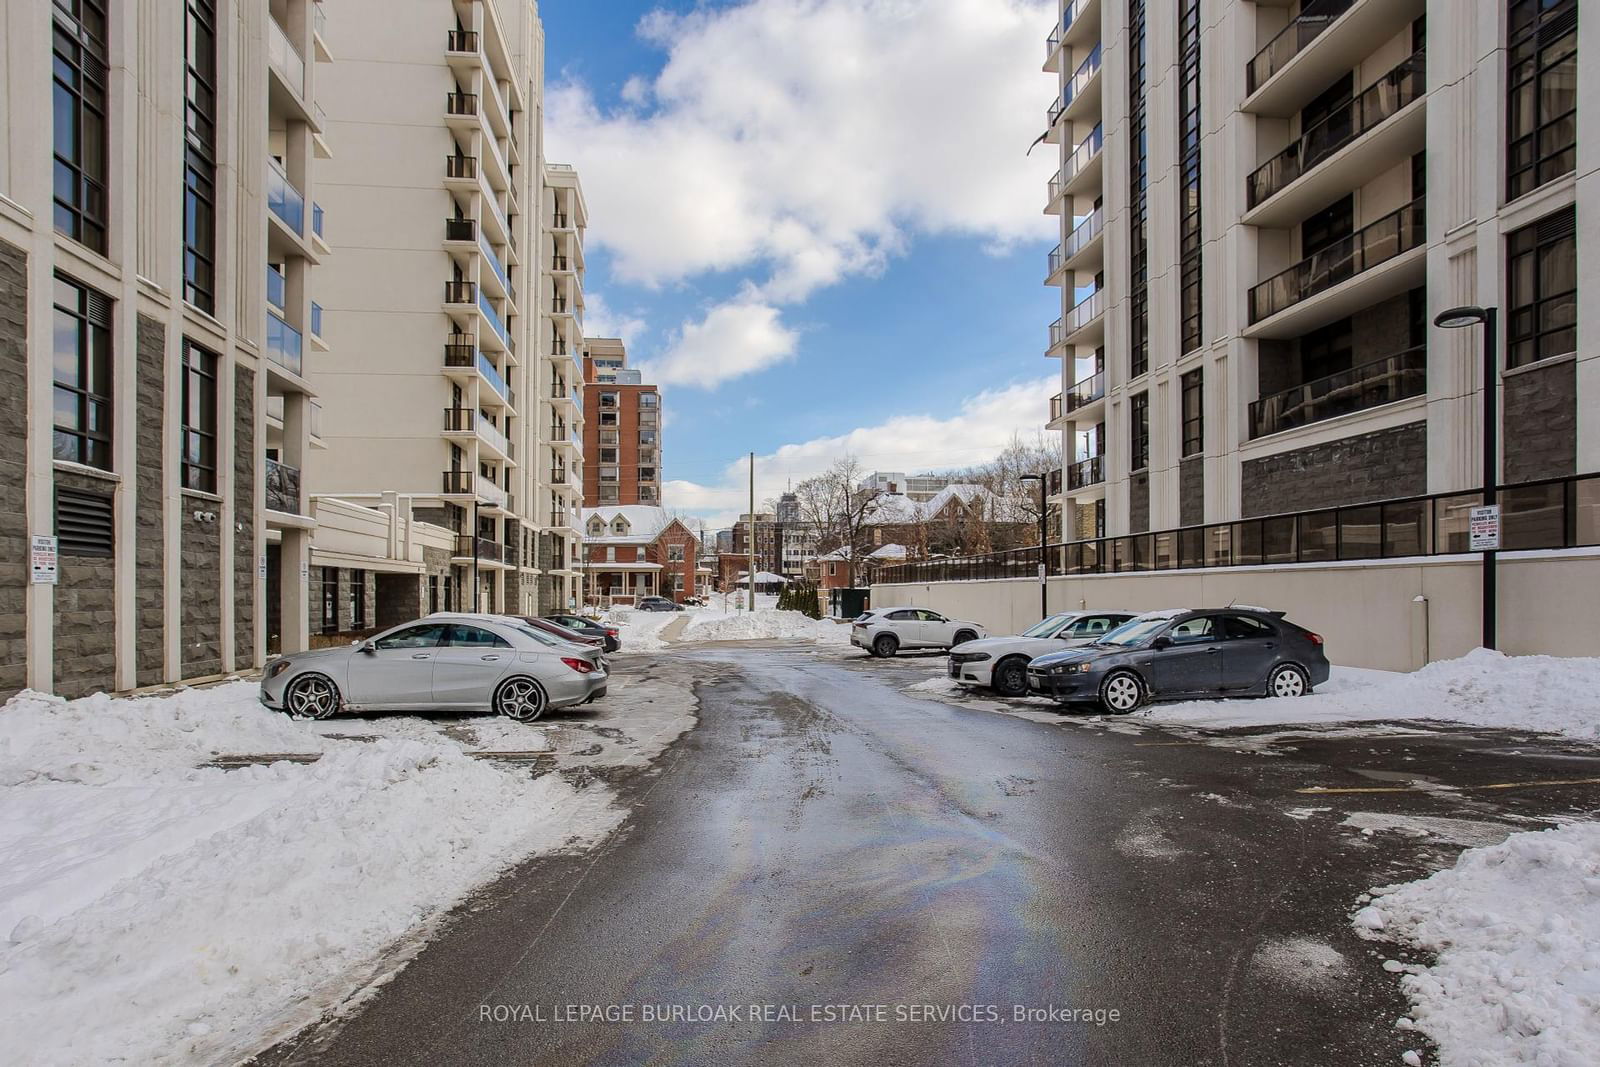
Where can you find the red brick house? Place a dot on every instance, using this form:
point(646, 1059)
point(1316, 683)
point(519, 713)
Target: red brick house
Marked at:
point(635, 551)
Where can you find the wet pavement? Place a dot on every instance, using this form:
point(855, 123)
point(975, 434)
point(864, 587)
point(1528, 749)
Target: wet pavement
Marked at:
point(830, 869)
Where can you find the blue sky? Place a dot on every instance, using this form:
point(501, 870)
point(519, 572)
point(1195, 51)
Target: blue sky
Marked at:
point(813, 262)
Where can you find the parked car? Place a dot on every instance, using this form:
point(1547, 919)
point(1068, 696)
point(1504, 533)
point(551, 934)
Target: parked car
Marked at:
point(1002, 662)
point(1183, 655)
point(657, 603)
point(443, 662)
point(610, 637)
point(566, 633)
point(885, 631)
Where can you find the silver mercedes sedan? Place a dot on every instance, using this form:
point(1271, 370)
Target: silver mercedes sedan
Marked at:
point(444, 662)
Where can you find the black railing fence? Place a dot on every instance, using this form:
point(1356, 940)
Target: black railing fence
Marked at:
point(1551, 514)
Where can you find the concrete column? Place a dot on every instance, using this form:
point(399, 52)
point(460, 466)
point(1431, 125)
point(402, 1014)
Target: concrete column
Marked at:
point(294, 562)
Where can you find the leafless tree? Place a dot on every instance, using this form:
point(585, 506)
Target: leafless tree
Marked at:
point(834, 504)
point(1017, 501)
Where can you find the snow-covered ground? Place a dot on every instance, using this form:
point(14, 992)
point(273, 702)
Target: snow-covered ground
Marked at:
point(721, 620)
point(1514, 929)
point(189, 910)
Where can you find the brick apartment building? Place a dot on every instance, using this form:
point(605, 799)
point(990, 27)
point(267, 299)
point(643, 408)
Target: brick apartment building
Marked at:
point(622, 430)
point(637, 551)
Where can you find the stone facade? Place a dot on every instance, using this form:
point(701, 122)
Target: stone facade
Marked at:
point(85, 645)
point(200, 585)
point(244, 519)
point(1540, 439)
point(1139, 502)
point(399, 598)
point(1351, 470)
point(149, 521)
point(13, 469)
point(1192, 491)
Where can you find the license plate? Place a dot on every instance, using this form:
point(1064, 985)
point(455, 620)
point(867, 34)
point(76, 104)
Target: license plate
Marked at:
point(955, 670)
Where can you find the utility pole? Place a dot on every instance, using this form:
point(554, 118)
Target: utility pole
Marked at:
point(751, 533)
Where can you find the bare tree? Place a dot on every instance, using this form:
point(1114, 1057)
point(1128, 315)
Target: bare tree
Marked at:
point(836, 505)
point(1017, 501)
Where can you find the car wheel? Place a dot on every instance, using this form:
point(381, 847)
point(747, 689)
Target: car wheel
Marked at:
point(311, 696)
point(964, 636)
point(520, 699)
point(1288, 680)
point(1121, 692)
point(885, 645)
point(1011, 677)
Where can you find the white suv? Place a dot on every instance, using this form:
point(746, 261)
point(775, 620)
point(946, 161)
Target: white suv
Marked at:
point(886, 631)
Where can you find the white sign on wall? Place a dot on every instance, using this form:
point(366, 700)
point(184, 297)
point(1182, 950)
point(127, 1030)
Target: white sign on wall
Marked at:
point(44, 557)
point(1483, 527)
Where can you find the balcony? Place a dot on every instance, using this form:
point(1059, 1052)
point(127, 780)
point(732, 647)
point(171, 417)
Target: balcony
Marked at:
point(1385, 241)
point(1053, 481)
point(459, 105)
point(285, 346)
point(1082, 93)
point(461, 231)
point(316, 320)
point(283, 488)
point(491, 435)
point(459, 483)
point(1080, 21)
point(461, 168)
point(1055, 409)
point(1317, 168)
point(460, 292)
point(493, 318)
point(1383, 381)
point(1058, 334)
point(1082, 168)
point(492, 376)
point(275, 295)
point(1053, 266)
point(1086, 392)
point(462, 46)
point(483, 549)
point(316, 219)
point(1086, 473)
point(1078, 250)
point(283, 199)
point(1052, 45)
point(495, 266)
point(558, 476)
point(285, 58)
point(1313, 49)
point(459, 420)
point(1086, 316)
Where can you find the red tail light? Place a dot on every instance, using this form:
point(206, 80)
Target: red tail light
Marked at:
point(582, 666)
point(612, 633)
point(1315, 639)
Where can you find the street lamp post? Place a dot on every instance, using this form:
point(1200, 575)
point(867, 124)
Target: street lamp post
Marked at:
point(1044, 587)
point(1489, 319)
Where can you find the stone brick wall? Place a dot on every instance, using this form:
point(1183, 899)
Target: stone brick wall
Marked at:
point(400, 598)
point(200, 586)
point(149, 545)
point(244, 512)
point(1374, 466)
point(85, 640)
point(1192, 491)
point(13, 469)
point(1139, 502)
point(1540, 438)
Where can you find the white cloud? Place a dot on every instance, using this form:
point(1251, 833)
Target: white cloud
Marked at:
point(600, 320)
point(983, 427)
point(803, 141)
point(734, 339)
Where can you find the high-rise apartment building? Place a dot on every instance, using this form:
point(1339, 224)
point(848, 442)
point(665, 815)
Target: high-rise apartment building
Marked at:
point(457, 279)
point(158, 235)
point(1264, 205)
point(623, 432)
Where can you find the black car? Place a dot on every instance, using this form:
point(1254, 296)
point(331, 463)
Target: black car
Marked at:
point(609, 635)
point(1185, 655)
point(657, 603)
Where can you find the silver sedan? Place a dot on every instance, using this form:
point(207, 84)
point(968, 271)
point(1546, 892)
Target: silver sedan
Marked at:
point(457, 663)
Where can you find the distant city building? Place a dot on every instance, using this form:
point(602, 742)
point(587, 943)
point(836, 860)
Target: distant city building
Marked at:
point(897, 483)
point(621, 429)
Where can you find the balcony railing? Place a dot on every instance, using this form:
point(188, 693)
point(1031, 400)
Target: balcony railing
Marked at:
point(1395, 234)
point(459, 103)
point(1051, 43)
point(459, 351)
point(283, 199)
point(460, 229)
point(1383, 381)
point(1053, 262)
point(275, 289)
point(460, 292)
point(491, 433)
point(1070, 15)
point(558, 476)
point(486, 368)
point(1555, 514)
point(458, 420)
point(1052, 484)
point(1087, 149)
point(461, 41)
point(494, 263)
point(558, 262)
point(282, 488)
point(316, 218)
point(316, 319)
point(1086, 472)
point(461, 167)
point(285, 58)
point(1086, 392)
point(558, 220)
point(484, 548)
point(1381, 100)
point(1057, 332)
point(1084, 312)
point(1084, 233)
point(1081, 77)
point(1053, 114)
point(285, 346)
point(493, 316)
point(1055, 407)
point(459, 483)
point(1291, 41)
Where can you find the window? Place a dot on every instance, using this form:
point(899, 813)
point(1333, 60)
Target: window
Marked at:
point(1139, 425)
point(330, 600)
point(199, 440)
point(1193, 391)
point(647, 474)
point(79, 109)
point(1542, 261)
point(1138, 164)
point(1243, 628)
point(85, 523)
point(639, 554)
point(647, 437)
point(82, 333)
point(1190, 249)
point(458, 636)
point(358, 600)
point(433, 593)
point(426, 636)
point(608, 455)
point(199, 156)
point(1542, 93)
point(674, 553)
point(649, 400)
point(1194, 631)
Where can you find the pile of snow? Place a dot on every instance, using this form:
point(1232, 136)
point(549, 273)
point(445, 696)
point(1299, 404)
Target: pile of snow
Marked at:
point(154, 910)
point(765, 625)
point(1514, 928)
point(640, 631)
point(1482, 688)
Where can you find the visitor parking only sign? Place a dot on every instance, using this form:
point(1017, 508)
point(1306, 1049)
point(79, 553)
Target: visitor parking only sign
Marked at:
point(1483, 528)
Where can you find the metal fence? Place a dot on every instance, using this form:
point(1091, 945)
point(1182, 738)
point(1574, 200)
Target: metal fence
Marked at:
point(1551, 514)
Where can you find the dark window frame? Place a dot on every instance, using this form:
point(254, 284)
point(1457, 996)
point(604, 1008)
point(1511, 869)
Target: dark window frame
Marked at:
point(1191, 315)
point(358, 600)
point(88, 442)
point(1139, 431)
point(199, 155)
point(198, 440)
point(1528, 337)
point(1138, 174)
point(1192, 416)
point(1541, 37)
point(80, 98)
point(330, 600)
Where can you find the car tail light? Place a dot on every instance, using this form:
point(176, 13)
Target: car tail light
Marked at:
point(582, 666)
point(612, 633)
point(1315, 639)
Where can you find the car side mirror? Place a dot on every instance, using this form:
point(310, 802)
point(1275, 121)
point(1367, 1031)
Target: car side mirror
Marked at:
point(1161, 642)
point(364, 646)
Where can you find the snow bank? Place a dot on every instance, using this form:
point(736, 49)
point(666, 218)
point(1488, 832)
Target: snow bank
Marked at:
point(155, 911)
point(1482, 688)
point(1515, 929)
point(640, 631)
point(765, 624)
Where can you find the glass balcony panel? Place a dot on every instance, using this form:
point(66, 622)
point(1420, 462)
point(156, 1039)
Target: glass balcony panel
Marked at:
point(283, 199)
point(1383, 381)
point(285, 346)
point(1394, 234)
point(1082, 76)
point(282, 488)
point(493, 316)
point(1086, 391)
point(316, 319)
point(285, 58)
point(275, 284)
point(1291, 41)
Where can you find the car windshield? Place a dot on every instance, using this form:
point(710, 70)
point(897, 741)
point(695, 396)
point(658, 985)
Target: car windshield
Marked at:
point(1133, 633)
point(1048, 627)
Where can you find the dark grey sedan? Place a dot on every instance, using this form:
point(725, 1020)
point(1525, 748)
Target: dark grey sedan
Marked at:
point(1185, 655)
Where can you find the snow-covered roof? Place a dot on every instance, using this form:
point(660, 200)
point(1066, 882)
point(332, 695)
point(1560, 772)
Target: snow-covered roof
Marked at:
point(890, 551)
point(762, 578)
point(897, 509)
point(644, 523)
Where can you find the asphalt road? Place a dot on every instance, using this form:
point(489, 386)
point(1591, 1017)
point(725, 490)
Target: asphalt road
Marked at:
point(929, 871)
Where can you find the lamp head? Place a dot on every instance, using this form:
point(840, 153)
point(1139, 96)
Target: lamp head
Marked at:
point(1457, 318)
